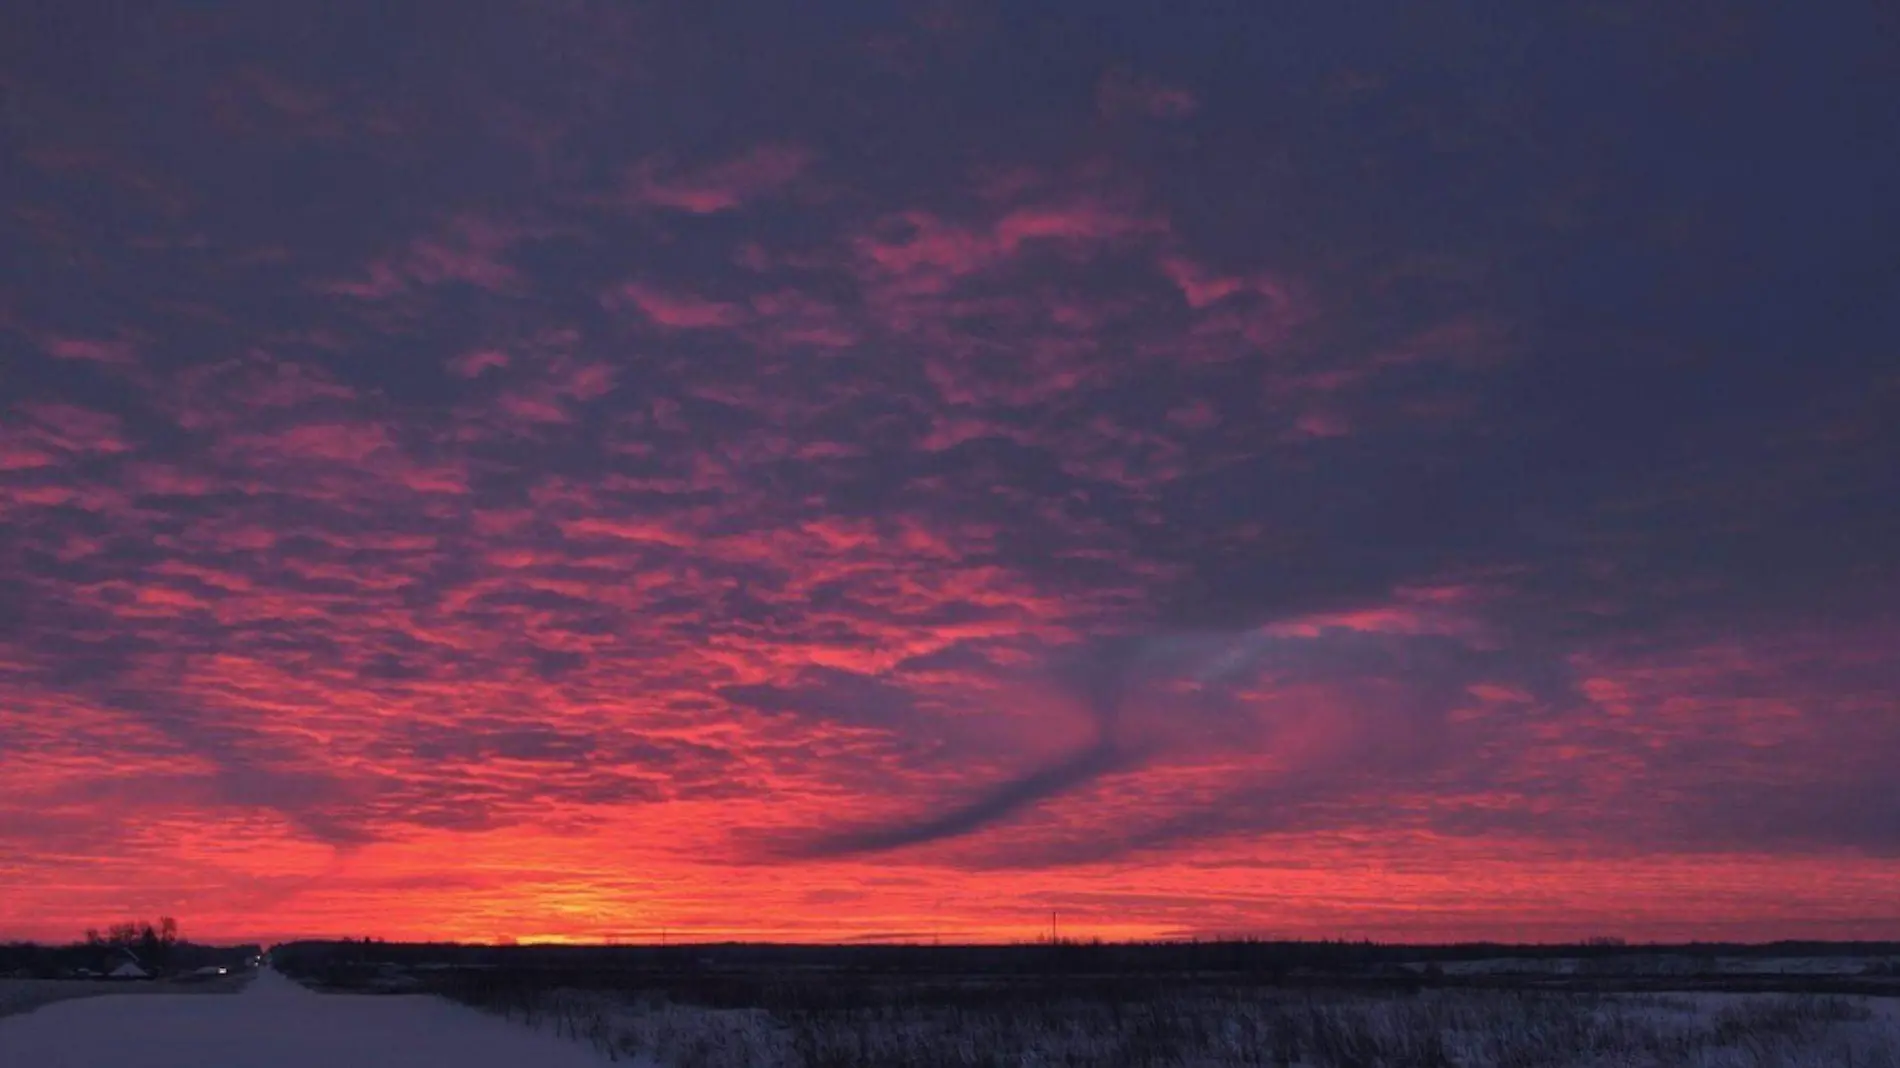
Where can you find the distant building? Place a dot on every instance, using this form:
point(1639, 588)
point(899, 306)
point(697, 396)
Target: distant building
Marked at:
point(125, 964)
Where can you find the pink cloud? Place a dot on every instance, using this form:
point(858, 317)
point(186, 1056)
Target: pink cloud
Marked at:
point(340, 442)
point(1194, 415)
point(538, 405)
point(950, 431)
point(720, 187)
point(16, 457)
point(1437, 610)
point(1204, 288)
point(1468, 342)
point(1081, 220)
point(1200, 286)
point(168, 480)
point(544, 391)
point(1321, 425)
point(829, 450)
point(473, 364)
point(629, 529)
point(788, 317)
point(470, 250)
point(93, 350)
point(921, 246)
point(72, 429)
point(924, 254)
point(680, 311)
point(583, 381)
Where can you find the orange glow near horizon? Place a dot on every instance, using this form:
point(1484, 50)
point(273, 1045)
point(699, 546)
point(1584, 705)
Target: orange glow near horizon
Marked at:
point(1400, 897)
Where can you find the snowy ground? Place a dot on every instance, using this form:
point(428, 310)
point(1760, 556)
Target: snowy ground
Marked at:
point(276, 1023)
point(1259, 1029)
point(1641, 964)
point(25, 995)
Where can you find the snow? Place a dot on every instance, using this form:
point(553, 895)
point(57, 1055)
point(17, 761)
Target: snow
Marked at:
point(1474, 1029)
point(1805, 965)
point(274, 1022)
point(1668, 964)
point(277, 1023)
point(1512, 966)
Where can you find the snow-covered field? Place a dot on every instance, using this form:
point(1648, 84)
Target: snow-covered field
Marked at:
point(1467, 1029)
point(278, 1024)
point(25, 995)
point(1646, 964)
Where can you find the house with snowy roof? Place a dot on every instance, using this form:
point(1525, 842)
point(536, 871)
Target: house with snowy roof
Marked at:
point(125, 964)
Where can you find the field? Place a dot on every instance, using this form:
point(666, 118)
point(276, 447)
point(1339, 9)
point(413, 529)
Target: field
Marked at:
point(1219, 1027)
point(1181, 1007)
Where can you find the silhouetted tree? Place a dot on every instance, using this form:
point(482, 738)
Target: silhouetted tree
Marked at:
point(152, 944)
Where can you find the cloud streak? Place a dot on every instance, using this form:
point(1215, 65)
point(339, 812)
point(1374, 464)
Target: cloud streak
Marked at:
point(993, 805)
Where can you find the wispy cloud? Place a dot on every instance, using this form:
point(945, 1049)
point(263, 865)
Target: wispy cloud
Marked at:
point(1120, 92)
point(715, 187)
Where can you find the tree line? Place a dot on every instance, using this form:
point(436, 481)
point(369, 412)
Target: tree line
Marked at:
point(152, 945)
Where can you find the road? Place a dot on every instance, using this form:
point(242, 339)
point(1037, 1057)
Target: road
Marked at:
point(274, 1023)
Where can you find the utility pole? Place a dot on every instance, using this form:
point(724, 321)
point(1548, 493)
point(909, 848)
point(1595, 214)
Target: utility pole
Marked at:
point(1052, 927)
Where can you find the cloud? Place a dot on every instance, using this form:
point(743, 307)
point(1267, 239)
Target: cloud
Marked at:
point(116, 353)
point(1106, 678)
point(474, 364)
point(469, 251)
point(918, 252)
point(829, 694)
point(678, 311)
point(718, 187)
point(1121, 93)
point(989, 807)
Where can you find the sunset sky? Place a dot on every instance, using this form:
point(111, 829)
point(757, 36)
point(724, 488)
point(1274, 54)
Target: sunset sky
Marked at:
point(833, 471)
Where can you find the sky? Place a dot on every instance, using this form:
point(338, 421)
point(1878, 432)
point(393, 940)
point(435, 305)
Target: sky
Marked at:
point(890, 471)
